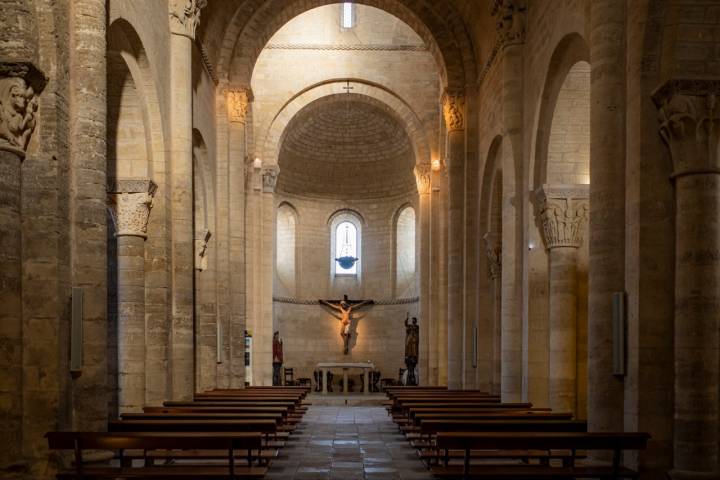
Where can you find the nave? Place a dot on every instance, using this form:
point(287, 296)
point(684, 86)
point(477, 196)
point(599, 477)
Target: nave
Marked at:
point(347, 443)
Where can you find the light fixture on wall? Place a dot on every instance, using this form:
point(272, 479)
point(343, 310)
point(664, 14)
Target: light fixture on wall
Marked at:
point(257, 163)
point(435, 165)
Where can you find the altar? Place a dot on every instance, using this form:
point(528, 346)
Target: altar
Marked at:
point(366, 367)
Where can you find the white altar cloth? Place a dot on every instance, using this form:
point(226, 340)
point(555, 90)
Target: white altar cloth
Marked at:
point(325, 366)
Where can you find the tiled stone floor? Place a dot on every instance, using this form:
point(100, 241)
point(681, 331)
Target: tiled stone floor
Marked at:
point(347, 443)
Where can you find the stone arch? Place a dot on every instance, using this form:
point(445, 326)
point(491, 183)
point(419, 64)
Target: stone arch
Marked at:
point(335, 220)
point(124, 44)
point(571, 50)
point(488, 188)
point(271, 141)
point(437, 23)
point(286, 250)
point(202, 183)
point(403, 277)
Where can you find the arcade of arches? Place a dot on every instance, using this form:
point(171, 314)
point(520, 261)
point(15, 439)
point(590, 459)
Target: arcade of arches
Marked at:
point(537, 181)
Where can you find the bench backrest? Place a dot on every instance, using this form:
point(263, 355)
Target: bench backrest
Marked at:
point(542, 440)
point(151, 441)
point(276, 417)
point(171, 425)
point(234, 409)
point(429, 427)
point(497, 415)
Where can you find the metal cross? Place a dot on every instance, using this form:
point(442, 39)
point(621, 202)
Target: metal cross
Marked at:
point(348, 87)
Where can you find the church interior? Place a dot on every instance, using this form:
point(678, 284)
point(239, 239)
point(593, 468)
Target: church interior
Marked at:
point(470, 226)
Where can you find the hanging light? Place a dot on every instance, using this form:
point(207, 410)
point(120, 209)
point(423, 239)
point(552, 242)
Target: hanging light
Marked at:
point(346, 260)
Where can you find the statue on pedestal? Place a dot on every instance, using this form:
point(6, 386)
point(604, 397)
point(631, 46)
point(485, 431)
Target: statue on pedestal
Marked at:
point(277, 359)
point(412, 342)
point(345, 307)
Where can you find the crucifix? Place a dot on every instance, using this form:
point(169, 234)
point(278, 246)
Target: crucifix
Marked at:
point(345, 307)
point(347, 88)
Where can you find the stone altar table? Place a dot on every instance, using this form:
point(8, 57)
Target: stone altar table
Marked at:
point(366, 367)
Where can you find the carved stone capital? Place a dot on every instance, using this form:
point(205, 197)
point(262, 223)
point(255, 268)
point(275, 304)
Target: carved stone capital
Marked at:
point(20, 84)
point(269, 178)
point(510, 21)
point(423, 178)
point(493, 250)
point(690, 124)
point(201, 245)
point(130, 202)
point(454, 111)
point(562, 213)
point(185, 16)
point(238, 103)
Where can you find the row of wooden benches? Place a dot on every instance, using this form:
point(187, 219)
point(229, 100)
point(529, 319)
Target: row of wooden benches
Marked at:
point(222, 434)
point(470, 434)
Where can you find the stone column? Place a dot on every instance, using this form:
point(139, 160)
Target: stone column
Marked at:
point(263, 338)
point(562, 214)
point(260, 221)
point(238, 103)
point(19, 85)
point(434, 274)
point(493, 250)
point(606, 227)
point(442, 278)
point(184, 18)
point(130, 204)
point(454, 113)
point(424, 185)
point(510, 23)
point(690, 116)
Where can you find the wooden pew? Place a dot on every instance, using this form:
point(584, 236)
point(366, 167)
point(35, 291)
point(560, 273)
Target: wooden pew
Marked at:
point(572, 441)
point(147, 442)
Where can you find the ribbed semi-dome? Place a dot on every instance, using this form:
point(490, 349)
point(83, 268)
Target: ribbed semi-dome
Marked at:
point(346, 146)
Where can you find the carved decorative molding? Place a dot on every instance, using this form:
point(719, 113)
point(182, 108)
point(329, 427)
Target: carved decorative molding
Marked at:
point(269, 178)
point(185, 16)
point(347, 47)
point(130, 202)
point(207, 63)
point(493, 250)
point(562, 213)
point(238, 103)
point(690, 124)
point(389, 301)
point(510, 21)
point(201, 245)
point(20, 84)
point(454, 111)
point(423, 178)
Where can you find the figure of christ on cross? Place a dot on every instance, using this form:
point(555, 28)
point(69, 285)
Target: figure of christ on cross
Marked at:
point(345, 307)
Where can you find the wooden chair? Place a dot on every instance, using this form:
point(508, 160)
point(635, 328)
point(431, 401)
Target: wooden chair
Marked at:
point(288, 377)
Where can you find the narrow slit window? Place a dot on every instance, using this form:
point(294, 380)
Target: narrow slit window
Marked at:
point(347, 14)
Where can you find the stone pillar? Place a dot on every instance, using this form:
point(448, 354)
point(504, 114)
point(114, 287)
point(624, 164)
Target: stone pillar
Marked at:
point(424, 185)
point(434, 274)
point(493, 250)
point(184, 18)
point(454, 113)
point(260, 221)
point(19, 85)
point(238, 102)
point(442, 278)
point(510, 24)
point(690, 116)
point(562, 213)
point(130, 204)
point(606, 227)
